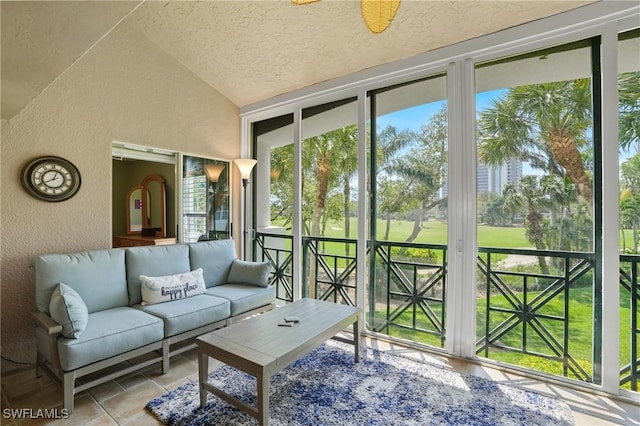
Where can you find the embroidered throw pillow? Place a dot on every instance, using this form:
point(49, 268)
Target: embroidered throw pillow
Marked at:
point(171, 287)
point(68, 309)
point(253, 273)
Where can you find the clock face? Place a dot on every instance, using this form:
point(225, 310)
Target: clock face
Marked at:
point(51, 179)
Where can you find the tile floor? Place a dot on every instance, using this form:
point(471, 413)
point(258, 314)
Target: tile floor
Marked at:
point(122, 401)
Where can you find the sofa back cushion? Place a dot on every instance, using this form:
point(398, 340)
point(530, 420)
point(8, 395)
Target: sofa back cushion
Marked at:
point(154, 261)
point(215, 259)
point(98, 276)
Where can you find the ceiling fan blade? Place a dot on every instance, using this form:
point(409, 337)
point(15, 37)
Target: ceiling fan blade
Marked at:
point(378, 14)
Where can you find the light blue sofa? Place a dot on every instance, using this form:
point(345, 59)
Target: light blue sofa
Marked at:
point(106, 323)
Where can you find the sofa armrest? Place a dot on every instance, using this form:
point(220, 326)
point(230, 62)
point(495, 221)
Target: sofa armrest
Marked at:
point(46, 322)
point(53, 330)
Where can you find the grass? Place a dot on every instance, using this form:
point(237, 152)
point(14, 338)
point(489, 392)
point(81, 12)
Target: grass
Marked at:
point(435, 232)
point(580, 332)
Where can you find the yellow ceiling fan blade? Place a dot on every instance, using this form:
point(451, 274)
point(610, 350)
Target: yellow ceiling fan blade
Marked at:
point(378, 14)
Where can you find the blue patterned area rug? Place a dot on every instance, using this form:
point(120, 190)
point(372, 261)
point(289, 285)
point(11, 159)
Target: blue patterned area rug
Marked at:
point(326, 387)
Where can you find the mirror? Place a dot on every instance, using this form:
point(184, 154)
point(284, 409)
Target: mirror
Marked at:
point(134, 210)
point(205, 199)
point(154, 207)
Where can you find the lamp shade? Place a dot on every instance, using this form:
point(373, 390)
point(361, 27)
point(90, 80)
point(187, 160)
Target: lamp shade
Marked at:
point(245, 165)
point(213, 171)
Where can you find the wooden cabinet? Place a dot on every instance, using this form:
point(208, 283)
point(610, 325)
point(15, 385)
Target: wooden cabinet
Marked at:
point(139, 240)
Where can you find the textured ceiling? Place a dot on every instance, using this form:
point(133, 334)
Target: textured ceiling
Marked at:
point(247, 50)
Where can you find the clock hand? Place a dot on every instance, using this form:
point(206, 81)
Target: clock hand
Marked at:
point(53, 178)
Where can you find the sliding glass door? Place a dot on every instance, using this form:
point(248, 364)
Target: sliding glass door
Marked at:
point(408, 246)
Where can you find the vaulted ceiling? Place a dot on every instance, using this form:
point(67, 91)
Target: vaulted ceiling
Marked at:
point(247, 50)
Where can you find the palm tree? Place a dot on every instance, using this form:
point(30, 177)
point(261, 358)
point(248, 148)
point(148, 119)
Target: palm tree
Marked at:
point(281, 188)
point(392, 191)
point(426, 165)
point(629, 110)
point(543, 124)
point(630, 197)
point(346, 143)
point(530, 196)
point(561, 193)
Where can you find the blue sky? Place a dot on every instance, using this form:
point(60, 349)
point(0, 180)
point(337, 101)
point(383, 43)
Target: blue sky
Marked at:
point(413, 118)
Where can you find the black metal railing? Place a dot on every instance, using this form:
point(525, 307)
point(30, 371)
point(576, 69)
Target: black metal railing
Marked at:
point(409, 283)
point(629, 296)
point(329, 266)
point(527, 309)
point(276, 248)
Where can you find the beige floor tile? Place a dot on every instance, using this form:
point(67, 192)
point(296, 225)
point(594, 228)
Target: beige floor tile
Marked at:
point(131, 402)
point(23, 382)
point(144, 419)
point(48, 396)
point(85, 410)
point(106, 390)
point(131, 381)
point(105, 420)
point(179, 383)
point(180, 367)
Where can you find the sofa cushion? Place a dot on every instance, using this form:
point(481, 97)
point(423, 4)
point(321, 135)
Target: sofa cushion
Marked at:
point(188, 314)
point(154, 261)
point(110, 332)
point(244, 297)
point(171, 287)
point(68, 309)
point(215, 258)
point(97, 276)
point(253, 273)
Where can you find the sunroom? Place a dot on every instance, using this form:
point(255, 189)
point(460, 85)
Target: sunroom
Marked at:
point(478, 200)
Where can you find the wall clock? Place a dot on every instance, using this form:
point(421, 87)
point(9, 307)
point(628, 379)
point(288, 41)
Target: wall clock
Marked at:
point(51, 179)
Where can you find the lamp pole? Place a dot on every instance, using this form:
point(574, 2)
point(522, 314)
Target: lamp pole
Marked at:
point(245, 233)
point(245, 165)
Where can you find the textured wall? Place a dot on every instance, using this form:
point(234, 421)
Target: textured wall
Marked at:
point(125, 89)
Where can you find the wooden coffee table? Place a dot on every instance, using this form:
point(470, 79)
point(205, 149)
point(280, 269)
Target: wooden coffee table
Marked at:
point(258, 346)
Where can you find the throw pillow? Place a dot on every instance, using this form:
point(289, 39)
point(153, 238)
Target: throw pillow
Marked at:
point(253, 273)
point(68, 309)
point(172, 287)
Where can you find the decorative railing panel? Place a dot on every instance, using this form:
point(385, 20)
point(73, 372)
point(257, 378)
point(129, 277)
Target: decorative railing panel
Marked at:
point(629, 297)
point(522, 311)
point(407, 297)
point(529, 311)
point(330, 269)
point(276, 248)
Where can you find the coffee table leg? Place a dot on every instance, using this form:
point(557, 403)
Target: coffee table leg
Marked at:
point(203, 369)
point(263, 398)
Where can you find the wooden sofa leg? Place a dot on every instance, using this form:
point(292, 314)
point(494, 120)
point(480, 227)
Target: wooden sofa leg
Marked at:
point(69, 382)
point(165, 357)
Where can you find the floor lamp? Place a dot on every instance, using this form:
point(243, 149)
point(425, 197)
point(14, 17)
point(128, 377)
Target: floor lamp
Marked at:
point(213, 172)
point(245, 165)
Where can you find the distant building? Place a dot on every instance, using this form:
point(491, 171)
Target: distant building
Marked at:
point(494, 179)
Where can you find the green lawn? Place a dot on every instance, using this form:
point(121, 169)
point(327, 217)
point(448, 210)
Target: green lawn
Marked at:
point(580, 332)
point(435, 232)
